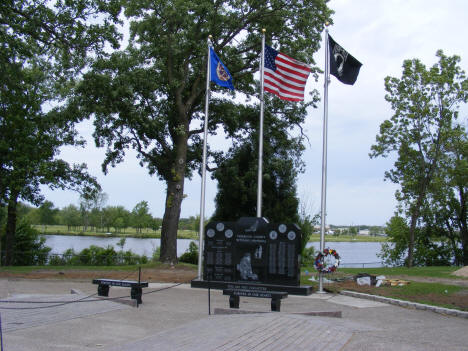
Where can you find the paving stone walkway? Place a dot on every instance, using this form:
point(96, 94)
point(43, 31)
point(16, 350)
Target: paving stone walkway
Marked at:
point(178, 319)
point(49, 309)
point(270, 331)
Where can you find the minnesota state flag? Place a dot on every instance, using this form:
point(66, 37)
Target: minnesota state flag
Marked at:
point(219, 73)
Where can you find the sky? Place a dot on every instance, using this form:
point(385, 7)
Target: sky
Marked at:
point(381, 35)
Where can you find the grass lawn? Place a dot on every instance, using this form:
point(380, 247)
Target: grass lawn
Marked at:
point(432, 293)
point(434, 272)
point(153, 272)
point(123, 233)
point(430, 272)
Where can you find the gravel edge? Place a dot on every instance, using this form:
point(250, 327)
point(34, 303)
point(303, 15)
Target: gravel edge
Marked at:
point(409, 304)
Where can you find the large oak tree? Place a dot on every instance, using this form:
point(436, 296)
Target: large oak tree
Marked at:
point(150, 96)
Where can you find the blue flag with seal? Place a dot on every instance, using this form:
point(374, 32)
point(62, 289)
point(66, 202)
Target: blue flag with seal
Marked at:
point(219, 73)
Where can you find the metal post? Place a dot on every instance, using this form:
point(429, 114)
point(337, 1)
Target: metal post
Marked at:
point(260, 132)
point(203, 181)
point(209, 298)
point(1, 333)
point(324, 153)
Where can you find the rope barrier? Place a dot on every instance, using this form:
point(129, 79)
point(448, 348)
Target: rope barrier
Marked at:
point(81, 300)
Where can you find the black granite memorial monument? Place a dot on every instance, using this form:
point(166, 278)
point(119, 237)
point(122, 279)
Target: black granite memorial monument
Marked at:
point(252, 250)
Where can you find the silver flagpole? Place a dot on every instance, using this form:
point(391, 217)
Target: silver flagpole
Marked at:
point(324, 153)
point(260, 133)
point(203, 182)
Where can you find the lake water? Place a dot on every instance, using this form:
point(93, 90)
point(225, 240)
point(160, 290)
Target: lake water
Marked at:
point(353, 254)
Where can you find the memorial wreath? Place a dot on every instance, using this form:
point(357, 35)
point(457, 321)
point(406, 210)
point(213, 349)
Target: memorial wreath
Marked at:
point(321, 266)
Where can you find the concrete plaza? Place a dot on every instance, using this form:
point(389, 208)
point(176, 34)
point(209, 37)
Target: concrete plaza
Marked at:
point(176, 318)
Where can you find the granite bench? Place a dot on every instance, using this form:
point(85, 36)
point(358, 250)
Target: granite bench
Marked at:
point(135, 292)
point(275, 296)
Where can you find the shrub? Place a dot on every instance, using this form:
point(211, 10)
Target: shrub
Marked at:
point(308, 256)
point(97, 256)
point(191, 255)
point(156, 254)
point(29, 248)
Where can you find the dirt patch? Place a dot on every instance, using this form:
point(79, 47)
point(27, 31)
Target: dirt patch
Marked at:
point(177, 274)
point(462, 272)
point(447, 281)
point(457, 300)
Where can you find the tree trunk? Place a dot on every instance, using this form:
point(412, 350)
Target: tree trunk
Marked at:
point(170, 222)
point(174, 197)
point(463, 224)
point(409, 259)
point(11, 229)
point(465, 248)
point(414, 219)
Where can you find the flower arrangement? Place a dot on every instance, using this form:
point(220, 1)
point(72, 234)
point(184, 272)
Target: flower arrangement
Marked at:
point(322, 266)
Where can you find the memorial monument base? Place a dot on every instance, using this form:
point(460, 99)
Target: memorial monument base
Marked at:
point(303, 290)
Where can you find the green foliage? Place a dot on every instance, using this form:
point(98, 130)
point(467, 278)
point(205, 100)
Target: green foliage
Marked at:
point(141, 218)
point(29, 248)
point(191, 223)
point(44, 47)
point(308, 256)
point(3, 215)
point(156, 254)
point(97, 256)
point(397, 231)
point(47, 213)
point(160, 117)
point(237, 174)
point(429, 249)
point(307, 223)
point(191, 255)
point(425, 102)
point(70, 216)
point(121, 243)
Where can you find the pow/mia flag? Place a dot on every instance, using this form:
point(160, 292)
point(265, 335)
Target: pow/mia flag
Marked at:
point(342, 65)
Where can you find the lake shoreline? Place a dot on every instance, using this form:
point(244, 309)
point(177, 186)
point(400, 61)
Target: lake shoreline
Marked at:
point(352, 253)
point(181, 235)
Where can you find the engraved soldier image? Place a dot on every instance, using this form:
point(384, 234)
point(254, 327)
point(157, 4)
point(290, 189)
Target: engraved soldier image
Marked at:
point(245, 268)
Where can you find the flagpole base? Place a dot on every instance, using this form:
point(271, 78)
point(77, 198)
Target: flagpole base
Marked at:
point(320, 290)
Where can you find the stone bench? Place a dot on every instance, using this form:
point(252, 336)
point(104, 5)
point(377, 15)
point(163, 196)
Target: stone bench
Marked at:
point(135, 292)
point(275, 296)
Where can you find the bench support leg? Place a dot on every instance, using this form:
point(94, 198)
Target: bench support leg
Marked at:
point(233, 301)
point(136, 293)
point(276, 305)
point(103, 290)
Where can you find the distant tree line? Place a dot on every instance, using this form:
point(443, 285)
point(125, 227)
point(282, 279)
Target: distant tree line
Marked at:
point(355, 229)
point(108, 219)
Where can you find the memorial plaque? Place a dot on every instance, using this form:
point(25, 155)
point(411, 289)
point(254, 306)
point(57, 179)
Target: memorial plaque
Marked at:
point(252, 250)
point(284, 244)
point(218, 251)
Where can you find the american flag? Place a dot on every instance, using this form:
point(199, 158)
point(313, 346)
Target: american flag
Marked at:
point(284, 76)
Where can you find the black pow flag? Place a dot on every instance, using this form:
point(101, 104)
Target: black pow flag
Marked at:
point(342, 65)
